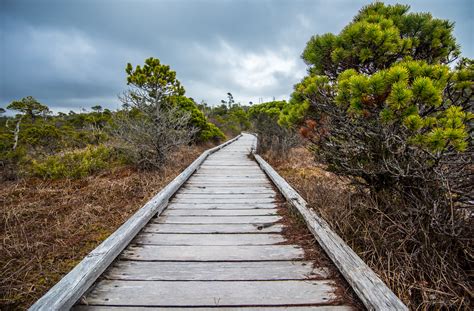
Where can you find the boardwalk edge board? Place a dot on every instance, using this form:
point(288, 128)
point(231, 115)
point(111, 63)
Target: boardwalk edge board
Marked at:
point(370, 289)
point(71, 287)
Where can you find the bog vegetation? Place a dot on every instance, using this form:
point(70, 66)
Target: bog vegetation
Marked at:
point(387, 105)
point(156, 118)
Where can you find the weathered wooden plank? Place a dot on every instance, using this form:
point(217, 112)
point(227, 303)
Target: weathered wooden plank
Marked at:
point(230, 184)
point(217, 293)
point(234, 179)
point(223, 190)
point(273, 308)
point(226, 159)
point(208, 239)
point(229, 171)
point(217, 206)
point(216, 219)
point(229, 164)
point(212, 252)
point(213, 228)
point(214, 200)
point(71, 287)
point(215, 271)
point(368, 286)
point(220, 212)
point(203, 194)
point(233, 175)
point(225, 196)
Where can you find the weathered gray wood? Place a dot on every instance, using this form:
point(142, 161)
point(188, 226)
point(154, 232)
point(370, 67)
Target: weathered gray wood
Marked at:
point(213, 228)
point(368, 286)
point(213, 253)
point(217, 219)
point(214, 200)
point(215, 271)
point(209, 239)
point(71, 287)
point(273, 308)
point(229, 179)
point(239, 167)
point(227, 171)
point(223, 190)
point(225, 196)
point(230, 175)
point(229, 183)
point(216, 293)
point(220, 212)
point(210, 165)
point(218, 206)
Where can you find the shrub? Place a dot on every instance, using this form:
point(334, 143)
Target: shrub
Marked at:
point(382, 106)
point(73, 164)
point(206, 131)
point(149, 140)
point(272, 137)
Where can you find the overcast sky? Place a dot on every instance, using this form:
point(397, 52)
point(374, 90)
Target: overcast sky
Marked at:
point(72, 54)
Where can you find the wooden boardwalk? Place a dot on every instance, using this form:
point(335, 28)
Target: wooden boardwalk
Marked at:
point(214, 239)
point(218, 245)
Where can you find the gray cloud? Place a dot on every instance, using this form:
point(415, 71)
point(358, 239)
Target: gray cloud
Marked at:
point(72, 54)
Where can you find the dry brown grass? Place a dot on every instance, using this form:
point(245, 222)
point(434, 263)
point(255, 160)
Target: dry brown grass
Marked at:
point(47, 227)
point(423, 275)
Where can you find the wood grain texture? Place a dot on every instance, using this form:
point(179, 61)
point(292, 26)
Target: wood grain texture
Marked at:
point(273, 308)
point(215, 271)
point(225, 196)
point(368, 286)
point(212, 253)
point(218, 206)
point(220, 212)
point(217, 219)
point(214, 200)
point(212, 294)
point(214, 228)
point(209, 239)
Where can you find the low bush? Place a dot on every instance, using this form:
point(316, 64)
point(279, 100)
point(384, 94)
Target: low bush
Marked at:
point(73, 164)
point(427, 269)
point(272, 138)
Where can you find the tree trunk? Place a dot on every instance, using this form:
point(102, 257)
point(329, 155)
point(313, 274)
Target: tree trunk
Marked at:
point(17, 133)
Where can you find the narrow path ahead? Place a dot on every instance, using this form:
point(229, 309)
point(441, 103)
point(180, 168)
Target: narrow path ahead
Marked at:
point(218, 244)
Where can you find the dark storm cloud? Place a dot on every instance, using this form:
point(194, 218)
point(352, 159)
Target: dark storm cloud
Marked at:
point(72, 54)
